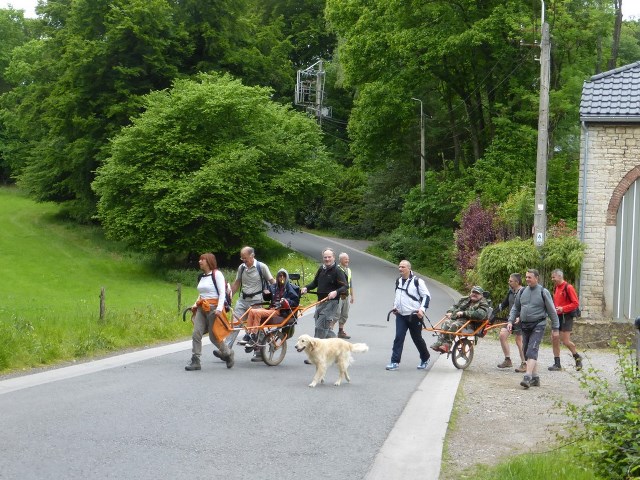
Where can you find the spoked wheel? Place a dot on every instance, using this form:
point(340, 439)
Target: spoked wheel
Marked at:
point(462, 353)
point(275, 348)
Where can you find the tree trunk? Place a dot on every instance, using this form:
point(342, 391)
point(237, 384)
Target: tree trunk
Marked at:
point(616, 36)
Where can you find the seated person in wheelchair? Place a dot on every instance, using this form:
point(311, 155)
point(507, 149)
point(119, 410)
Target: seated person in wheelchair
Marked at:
point(475, 307)
point(284, 297)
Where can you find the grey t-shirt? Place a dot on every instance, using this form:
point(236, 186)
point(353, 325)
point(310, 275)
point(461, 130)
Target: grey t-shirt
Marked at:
point(249, 278)
point(533, 305)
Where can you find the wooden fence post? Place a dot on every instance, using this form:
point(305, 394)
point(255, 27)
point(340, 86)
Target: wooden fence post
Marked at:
point(102, 306)
point(179, 290)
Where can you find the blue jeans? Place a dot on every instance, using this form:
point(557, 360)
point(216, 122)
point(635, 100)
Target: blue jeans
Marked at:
point(411, 323)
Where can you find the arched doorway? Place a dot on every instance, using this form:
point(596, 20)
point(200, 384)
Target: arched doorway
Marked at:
point(626, 293)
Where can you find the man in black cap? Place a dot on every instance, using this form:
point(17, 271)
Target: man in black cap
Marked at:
point(474, 307)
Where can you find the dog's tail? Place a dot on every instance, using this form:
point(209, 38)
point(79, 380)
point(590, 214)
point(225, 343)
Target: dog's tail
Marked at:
point(359, 347)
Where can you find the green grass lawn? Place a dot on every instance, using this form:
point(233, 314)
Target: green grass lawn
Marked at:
point(51, 274)
point(53, 269)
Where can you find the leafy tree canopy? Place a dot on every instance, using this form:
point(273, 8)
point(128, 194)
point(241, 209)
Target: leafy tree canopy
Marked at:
point(206, 166)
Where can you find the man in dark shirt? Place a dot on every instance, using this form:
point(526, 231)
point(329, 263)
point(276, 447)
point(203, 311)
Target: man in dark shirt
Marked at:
point(330, 283)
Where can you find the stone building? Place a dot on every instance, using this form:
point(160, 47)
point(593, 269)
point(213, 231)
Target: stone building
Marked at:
point(609, 194)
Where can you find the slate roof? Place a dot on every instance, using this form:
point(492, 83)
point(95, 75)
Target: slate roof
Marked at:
point(612, 96)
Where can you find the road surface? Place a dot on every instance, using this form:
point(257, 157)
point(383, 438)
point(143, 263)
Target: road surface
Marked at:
point(147, 418)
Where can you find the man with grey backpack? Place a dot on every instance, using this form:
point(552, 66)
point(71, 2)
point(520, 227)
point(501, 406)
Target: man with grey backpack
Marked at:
point(533, 304)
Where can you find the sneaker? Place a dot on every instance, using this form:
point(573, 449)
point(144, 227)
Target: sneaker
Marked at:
point(444, 348)
point(393, 366)
point(343, 334)
point(423, 365)
point(526, 381)
point(578, 363)
point(194, 364)
point(555, 368)
point(506, 364)
point(229, 359)
point(522, 368)
point(245, 339)
point(535, 382)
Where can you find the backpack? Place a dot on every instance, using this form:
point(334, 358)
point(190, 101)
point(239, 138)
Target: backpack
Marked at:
point(265, 296)
point(227, 293)
point(406, 290)
point(541, 295)
point(576, 312)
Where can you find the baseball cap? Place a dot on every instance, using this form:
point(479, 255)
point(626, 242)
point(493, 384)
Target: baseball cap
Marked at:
point(477, 289)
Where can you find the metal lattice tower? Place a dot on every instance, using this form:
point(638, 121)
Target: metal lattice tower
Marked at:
point(310, 91)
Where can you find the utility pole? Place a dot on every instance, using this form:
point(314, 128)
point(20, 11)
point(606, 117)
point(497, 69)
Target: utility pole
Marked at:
point(540, 214)
point(421, 145)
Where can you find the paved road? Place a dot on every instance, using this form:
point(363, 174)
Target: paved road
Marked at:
point(151, 419)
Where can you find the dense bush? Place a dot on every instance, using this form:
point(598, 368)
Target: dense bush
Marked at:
point(606, 429)
point(564, 251)
point(515, 214)
point(432, 254)
point(498, 261)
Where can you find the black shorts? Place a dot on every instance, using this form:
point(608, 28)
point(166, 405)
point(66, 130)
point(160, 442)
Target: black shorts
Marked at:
point(566, 322)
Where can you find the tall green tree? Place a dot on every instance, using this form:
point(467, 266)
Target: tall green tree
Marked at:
point(479, 85)
point(97, 61)
point(206, 166)
point(305, 27)
point(14, 31)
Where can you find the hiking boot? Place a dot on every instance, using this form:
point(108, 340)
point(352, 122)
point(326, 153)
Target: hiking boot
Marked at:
point(555, 368)
point(535, 382)
point(526, 381)
point(216, 353)
point(230, 359)
point(343, 334)
point(245, 339)
point(578, 362)
point(506, 364)
point(423, 365)
point(194, 365)
point(392, 366)
point(522, 368)
point(257, 357)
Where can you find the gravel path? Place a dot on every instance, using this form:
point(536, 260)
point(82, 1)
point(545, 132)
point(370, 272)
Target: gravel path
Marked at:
point(491, 402)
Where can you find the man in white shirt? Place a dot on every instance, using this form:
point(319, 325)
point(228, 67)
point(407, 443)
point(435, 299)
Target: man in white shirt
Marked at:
point(411, 301)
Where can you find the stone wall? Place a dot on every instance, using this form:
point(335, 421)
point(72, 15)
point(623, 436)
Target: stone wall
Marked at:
point(609, 161)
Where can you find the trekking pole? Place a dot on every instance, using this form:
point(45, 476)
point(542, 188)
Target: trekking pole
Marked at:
point(428, 320)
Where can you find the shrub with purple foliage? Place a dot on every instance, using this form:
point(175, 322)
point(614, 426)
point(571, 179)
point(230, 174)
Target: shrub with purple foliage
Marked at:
point(476, 230)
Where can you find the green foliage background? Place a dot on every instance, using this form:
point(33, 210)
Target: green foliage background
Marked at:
point(82, 72)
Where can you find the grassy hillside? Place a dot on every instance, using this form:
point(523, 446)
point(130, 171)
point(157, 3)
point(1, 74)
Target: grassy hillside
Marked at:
point(51, 273)
point(50, 268)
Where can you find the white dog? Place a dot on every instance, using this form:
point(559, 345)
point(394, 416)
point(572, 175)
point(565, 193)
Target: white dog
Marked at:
point(322, 352)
